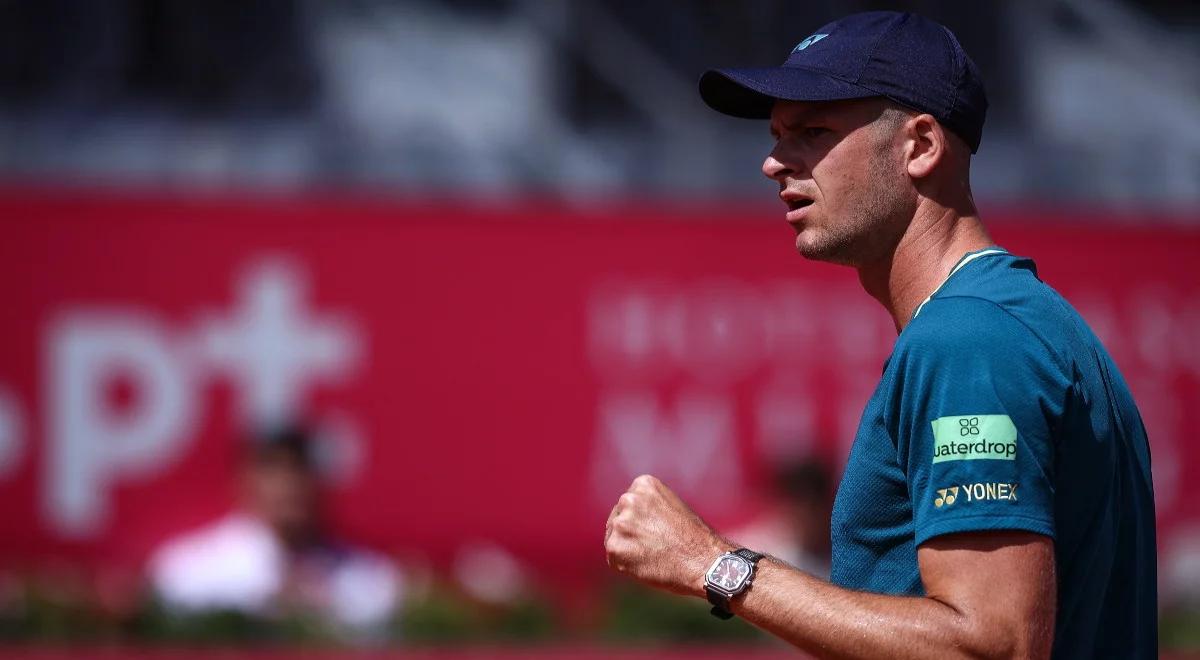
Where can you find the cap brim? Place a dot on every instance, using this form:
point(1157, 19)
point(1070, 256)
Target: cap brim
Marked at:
point(750, 93)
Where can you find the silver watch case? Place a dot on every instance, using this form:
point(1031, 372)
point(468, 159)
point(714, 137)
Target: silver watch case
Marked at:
point(743, 583)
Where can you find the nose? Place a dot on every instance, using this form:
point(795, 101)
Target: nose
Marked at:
point(774, 168)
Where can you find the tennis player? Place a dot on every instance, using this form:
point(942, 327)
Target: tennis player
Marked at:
point(997, 500)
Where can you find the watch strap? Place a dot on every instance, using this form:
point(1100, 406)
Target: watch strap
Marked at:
point(720, 604)
point(749, 555)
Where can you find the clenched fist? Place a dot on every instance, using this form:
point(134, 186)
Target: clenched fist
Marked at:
point(655, 538)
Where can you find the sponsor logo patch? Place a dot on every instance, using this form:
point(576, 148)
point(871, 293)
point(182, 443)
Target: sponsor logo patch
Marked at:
point(979, 492)
point(974, 437)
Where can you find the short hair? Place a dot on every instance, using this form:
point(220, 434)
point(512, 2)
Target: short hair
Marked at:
point(894, 114)
point(290, 443)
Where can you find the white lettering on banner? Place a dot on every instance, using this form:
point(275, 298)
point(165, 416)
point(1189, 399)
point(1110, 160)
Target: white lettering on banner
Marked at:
point(787, 422)
point(271, 348)
point(12, 434)
point(1153, 329)
point(1153, 322)
point(790, 309)
point(717, 331)
point(691, 447)
point(725, 331)
point(650, 339)
point(90, 447)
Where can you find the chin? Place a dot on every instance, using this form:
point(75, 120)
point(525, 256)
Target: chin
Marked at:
point(825, 251)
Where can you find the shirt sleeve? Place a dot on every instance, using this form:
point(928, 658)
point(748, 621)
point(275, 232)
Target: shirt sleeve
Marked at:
point(979, 395)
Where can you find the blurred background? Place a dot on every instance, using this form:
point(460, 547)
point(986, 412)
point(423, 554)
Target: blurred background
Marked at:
point(343, 324)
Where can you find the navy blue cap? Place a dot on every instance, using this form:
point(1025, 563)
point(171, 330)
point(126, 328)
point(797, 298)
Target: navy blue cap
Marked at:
point(907, 58)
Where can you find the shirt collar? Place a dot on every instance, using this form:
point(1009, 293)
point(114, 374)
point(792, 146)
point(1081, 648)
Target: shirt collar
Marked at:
point(966, 259)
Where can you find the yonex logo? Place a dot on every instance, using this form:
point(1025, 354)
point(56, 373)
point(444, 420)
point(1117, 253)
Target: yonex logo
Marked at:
point(946, 496)
point(809, 41)
point(979, 492)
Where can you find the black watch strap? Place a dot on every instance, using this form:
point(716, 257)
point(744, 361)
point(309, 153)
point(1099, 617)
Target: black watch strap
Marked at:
point(720, 601)
point(720, 604)
point(749, 555)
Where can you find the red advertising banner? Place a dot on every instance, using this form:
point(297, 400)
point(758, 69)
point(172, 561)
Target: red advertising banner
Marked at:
point(482, 375)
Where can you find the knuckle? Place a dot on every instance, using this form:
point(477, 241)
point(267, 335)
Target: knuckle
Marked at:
point(613, 556)
point(644, 481)
point(612, 514)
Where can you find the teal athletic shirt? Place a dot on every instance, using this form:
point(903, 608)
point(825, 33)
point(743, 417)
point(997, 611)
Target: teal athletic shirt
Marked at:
point(1000, 410)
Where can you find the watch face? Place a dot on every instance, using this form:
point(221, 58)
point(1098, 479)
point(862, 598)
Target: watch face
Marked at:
point(730, 573)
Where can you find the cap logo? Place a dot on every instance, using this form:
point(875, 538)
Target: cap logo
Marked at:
point(809, 41)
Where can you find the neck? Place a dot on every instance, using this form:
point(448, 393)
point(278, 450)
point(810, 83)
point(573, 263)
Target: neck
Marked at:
point(935, 240)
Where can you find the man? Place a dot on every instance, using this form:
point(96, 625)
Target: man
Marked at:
point(272, 556)
point(997, 500)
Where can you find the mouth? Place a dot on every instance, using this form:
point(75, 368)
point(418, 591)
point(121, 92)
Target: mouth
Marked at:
point(797, 208)
point(799, 203)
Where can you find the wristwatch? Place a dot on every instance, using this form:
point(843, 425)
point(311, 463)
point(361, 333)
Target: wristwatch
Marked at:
point(729, 575)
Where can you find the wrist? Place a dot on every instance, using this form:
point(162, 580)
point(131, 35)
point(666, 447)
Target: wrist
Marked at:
point(701, 564)
point(728, 577)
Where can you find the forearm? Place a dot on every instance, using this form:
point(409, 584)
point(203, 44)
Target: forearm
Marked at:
point(988, 594)
point(832, 622)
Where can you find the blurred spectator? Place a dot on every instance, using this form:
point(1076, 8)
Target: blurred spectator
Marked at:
point(795, 528)
point(272, 556)
point(490, 574)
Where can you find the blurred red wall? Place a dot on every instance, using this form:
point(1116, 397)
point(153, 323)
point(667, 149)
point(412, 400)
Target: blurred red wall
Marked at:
point(481, 374)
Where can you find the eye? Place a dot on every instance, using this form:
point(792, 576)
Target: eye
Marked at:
point(815, 131)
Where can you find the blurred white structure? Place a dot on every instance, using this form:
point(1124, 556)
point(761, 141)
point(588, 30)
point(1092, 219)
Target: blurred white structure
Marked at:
point(238, 564)
point(1093, 101)
point(1114, 102)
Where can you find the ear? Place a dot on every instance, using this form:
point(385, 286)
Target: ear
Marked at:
point(925, 145)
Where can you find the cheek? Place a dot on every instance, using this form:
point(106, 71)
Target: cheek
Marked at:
point(834, 181)
point(845, 178)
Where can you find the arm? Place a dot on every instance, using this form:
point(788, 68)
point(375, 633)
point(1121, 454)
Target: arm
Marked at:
point(989, 594)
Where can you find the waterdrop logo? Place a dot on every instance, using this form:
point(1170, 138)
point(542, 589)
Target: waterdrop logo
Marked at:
point(809, 41)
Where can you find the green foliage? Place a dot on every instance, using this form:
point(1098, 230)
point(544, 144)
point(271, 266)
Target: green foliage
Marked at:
point(1179, 628)
point(154, 623)
point(446, 616)
point(54, 611)
point(38, 611)
point(640, 614)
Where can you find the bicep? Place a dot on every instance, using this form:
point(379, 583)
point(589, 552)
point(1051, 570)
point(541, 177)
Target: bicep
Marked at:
point(1002, 584)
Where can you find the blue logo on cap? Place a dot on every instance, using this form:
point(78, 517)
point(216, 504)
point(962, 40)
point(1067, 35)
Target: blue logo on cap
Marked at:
point(809, 41)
